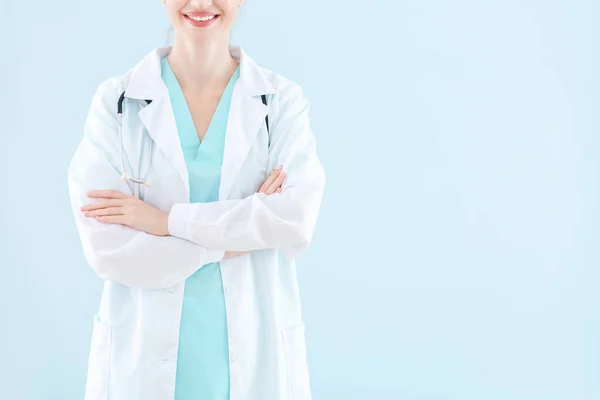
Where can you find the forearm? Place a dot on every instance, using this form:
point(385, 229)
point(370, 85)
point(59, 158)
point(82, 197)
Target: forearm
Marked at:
point(143, 260)
point(119, 253)
point(257, 222)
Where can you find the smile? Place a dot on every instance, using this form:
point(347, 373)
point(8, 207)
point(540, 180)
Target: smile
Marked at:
point(200, 21)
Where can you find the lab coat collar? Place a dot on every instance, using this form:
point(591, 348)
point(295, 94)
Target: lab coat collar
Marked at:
point(145, 82)
point(247, 113)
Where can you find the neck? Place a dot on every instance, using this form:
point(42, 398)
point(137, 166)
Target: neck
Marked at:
point(201, 66)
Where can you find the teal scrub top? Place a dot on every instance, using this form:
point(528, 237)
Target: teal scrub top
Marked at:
point(203, 354)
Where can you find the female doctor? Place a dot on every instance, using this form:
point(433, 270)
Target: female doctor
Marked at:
point(194, 188)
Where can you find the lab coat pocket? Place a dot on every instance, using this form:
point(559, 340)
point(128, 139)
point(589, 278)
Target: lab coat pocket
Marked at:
point(99, 361)
point(296, 363)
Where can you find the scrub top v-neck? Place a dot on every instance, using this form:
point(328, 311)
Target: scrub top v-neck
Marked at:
point(203, 354)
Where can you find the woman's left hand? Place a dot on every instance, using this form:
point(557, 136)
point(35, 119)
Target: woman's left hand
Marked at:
point(119, 208)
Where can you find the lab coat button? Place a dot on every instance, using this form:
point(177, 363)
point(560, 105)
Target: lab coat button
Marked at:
point(235, 357)
point(230, 289)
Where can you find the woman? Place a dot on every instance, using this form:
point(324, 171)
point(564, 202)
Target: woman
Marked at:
point(200, 297)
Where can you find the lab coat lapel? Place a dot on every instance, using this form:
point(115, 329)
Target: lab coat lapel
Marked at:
point(246, 116)
point(160, 123)
point(146, 84)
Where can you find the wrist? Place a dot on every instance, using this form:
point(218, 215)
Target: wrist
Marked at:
point(177, 221)
point(164, 224)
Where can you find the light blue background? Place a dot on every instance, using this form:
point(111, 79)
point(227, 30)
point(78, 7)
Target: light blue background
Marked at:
point(457, 252)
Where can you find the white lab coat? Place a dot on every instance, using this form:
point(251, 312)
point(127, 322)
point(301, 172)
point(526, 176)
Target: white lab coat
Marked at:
point(133, 352)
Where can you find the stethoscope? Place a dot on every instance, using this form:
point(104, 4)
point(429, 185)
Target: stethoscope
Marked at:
point(144, 181)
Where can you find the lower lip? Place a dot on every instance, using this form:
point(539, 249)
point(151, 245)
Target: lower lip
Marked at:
point(200, 24)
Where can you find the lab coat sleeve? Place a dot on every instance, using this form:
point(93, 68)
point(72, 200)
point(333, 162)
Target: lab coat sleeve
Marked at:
point(116, 252)
point(286, 220)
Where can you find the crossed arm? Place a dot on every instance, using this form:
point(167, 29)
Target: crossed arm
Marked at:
point(119, 208)
point(150, 256)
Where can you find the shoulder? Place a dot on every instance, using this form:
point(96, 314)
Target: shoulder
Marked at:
point(101, 119)
point(105, 98)
point(111, 88)
point(288, 108)
point(285, 87)
point(288, 98)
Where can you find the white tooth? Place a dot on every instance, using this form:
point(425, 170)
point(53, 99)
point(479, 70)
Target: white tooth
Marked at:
point(207, 18)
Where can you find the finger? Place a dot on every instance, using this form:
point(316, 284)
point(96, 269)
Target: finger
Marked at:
point(107, 194)
point(102, 204)
point(277, 183)
point(112, 219)
point(105, 212)
point(278, 190)
point(272, 176)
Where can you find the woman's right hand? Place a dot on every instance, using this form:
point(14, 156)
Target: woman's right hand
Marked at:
point(271, 185)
